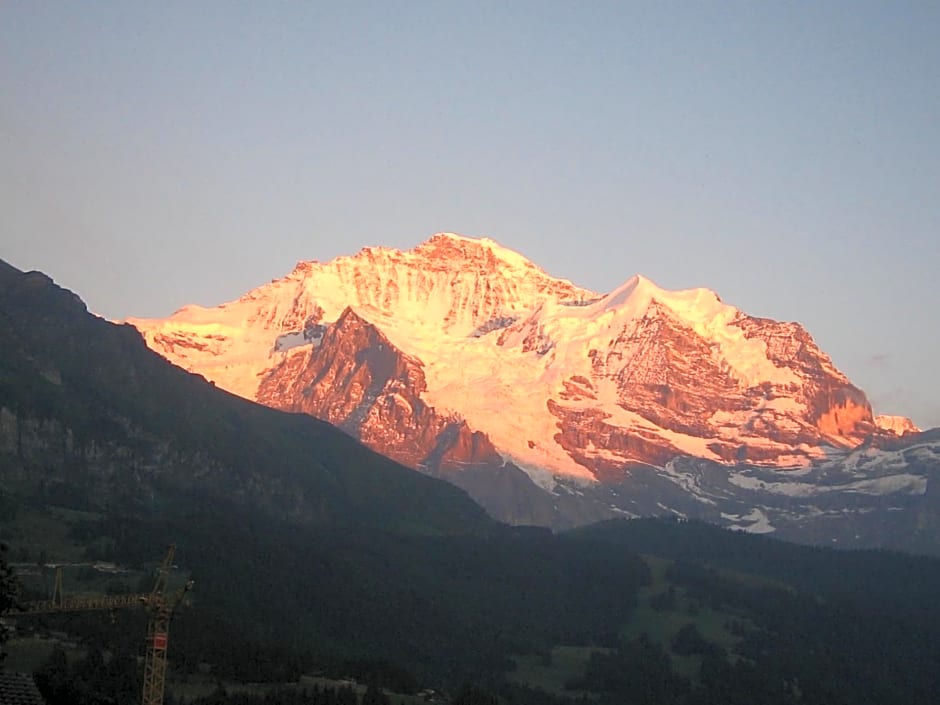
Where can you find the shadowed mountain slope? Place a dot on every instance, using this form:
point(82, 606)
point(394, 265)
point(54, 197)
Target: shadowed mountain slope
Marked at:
point(86, 409)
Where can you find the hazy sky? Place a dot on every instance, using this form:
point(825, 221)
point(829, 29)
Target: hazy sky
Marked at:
point(786, 155)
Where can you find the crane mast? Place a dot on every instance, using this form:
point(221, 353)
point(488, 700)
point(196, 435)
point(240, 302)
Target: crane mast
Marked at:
point(158, 628)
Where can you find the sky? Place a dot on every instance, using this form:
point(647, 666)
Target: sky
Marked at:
point(783, 154)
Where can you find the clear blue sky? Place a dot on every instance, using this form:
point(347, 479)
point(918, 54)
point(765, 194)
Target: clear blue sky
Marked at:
point(786, 155)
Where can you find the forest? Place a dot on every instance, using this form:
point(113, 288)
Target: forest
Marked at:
point(401, 614)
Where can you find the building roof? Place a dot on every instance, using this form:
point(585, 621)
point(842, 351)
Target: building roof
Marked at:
point(19, 689)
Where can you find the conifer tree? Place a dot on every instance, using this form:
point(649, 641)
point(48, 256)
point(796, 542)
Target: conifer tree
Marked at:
point(9, 590)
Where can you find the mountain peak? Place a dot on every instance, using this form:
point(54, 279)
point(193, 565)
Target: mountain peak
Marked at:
point(452, 247)
point(898, 425)
point(636, 289)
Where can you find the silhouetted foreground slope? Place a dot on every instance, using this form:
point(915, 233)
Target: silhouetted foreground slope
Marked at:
point(89, 411)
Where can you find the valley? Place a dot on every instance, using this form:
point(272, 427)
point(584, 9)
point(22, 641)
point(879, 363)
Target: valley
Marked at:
point(459, 353)
point(314, 555)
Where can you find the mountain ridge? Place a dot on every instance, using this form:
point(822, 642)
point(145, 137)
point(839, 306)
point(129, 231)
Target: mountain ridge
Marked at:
point(489, 292)
point(468, 361)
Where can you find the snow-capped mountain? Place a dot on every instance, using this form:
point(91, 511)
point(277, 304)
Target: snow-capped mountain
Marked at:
point(464, 359)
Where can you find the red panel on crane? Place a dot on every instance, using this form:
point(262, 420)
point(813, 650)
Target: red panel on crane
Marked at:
point(159, 640)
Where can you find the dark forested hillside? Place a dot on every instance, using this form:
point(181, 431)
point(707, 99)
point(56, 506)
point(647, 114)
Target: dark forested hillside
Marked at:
point(874, 579)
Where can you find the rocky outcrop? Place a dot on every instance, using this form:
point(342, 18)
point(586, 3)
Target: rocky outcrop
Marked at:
point(357, 380)
point(667, 373)
point(898, 425)
point(836, 407)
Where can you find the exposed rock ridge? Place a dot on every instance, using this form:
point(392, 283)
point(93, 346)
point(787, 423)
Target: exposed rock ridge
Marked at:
point(357, 380)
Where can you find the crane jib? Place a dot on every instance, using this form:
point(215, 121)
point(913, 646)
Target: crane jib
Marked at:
point(160, 606)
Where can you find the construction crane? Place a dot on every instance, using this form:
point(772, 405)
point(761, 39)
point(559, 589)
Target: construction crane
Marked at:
point(156, 602)
point(158, 626)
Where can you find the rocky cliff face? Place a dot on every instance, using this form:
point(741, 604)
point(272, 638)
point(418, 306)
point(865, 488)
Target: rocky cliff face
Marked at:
point(462, 358)
point(357, 380)
point(898, 425)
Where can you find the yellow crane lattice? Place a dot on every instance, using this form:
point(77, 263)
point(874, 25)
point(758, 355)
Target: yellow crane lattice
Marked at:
point(156, 602)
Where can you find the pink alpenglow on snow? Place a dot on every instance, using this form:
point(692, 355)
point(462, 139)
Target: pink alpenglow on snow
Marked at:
point(463, 340)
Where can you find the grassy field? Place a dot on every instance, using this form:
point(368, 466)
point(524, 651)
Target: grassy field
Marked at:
point(41, 538)
point(27, 654)
point(550, 675)
point(662, 625)
point(43, 534)
point(198, 686)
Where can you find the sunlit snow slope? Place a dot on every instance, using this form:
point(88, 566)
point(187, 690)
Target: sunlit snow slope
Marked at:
point(467, 348)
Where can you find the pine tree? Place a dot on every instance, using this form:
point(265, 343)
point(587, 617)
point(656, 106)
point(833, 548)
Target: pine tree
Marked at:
point(375, 696)
point(346, 696)
point(9, 590)
point(474, 695)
